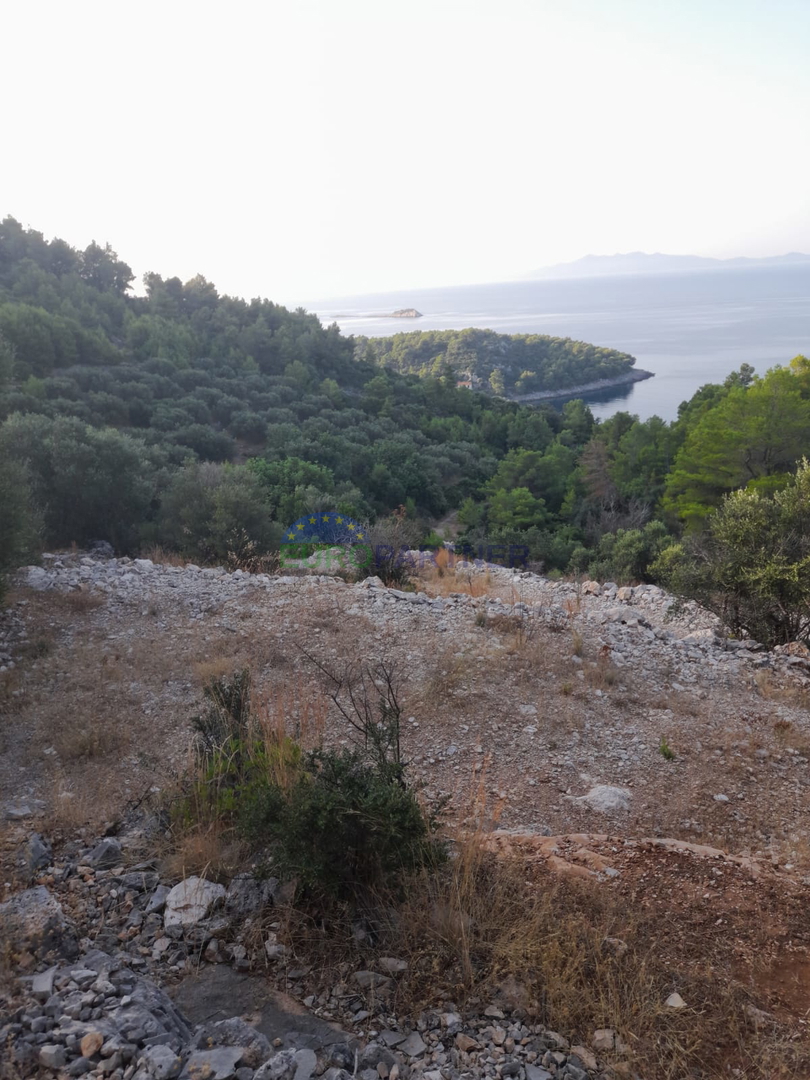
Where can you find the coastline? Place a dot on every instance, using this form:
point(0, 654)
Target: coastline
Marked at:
point(630, 377)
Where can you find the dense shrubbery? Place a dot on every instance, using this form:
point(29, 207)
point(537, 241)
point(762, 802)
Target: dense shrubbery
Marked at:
point(216, 513)
point(751, 565)
point(19, 521)
point(624, 556)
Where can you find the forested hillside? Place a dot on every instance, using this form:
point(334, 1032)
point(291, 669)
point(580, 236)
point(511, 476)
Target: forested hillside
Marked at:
point(207, 424)
point(501, 363)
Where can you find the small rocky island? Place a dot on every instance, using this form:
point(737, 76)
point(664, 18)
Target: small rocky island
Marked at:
point(404, 313)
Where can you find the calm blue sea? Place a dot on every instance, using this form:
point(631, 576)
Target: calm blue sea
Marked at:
point(689, 329)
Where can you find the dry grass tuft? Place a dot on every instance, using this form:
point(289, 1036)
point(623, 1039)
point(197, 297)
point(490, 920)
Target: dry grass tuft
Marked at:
point(447, 675)
point(162, 557)
point(76, 804)
point(81, 601)
point(209, 671)
point(211, 850)
point(11, 698)
point(88, 738)
point(602, 674)
point(782, 690)
point(789, 735)
point(446, 573)
point(297, 709)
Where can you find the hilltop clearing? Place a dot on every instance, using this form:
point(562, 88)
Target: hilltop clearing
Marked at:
point(547, 690)
point(639, 779)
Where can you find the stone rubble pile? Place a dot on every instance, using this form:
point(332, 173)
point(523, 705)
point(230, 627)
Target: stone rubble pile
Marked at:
point(83, 1004)
point(634, 623)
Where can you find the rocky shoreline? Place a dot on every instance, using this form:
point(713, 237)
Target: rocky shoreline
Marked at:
point(634, 376)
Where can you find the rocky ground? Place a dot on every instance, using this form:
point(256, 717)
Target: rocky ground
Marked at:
point(602, 733)
point(546, 690)
point(92, 943)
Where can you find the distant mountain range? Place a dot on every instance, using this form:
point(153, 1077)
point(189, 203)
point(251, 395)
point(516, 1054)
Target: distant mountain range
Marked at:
point(640, 262)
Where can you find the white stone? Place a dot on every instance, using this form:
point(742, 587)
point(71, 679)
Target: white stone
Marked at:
point(190, 902)
point(603, 798)
point(392, 965)
point(603, 1039)
point(675, 1001)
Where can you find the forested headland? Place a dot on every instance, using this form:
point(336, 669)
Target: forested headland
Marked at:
point(207, 423)
point(510, 365)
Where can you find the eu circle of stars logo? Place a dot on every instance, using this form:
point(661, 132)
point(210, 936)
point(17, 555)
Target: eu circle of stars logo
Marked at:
point(324, 527)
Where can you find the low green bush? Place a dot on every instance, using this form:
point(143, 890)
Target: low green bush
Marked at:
point(341, 822)
point(346, 826)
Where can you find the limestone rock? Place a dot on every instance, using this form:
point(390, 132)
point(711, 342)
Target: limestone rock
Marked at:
point(161, 1062)
point(372, 980)
point(191, 901)
point(414, 1045)
point(52, 1056)
point(247, 894)
point(282, 1066)
point(392, 965)
point(585, 1056)
point(605, 799)
point(105, 855)
point(91, 1043)
point(603, 1039)
point(217, 1064)
point(37, 853)
point(34, 920)
point(235, 1032)
point(42, 984)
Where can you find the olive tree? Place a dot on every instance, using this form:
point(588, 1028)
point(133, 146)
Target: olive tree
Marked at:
point(751, 565)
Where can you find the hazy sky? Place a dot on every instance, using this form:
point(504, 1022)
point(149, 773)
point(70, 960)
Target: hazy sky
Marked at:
point(313, 148)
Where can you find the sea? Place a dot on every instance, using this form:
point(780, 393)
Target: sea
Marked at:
point(687, 328)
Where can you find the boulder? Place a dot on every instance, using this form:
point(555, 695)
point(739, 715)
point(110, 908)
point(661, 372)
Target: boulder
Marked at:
point(38, 853)
point(247, 894)
point(217, 1064)
point(235, 1032)
point(105, 855)
point(191, 901)
point(33, 920)
point(605, 799)
point(160, 1062)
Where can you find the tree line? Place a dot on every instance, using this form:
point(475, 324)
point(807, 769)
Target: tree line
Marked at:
point(207, 423)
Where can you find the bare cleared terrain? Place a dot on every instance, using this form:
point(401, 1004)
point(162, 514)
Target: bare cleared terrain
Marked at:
point(599, 733)
point(536, 687)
